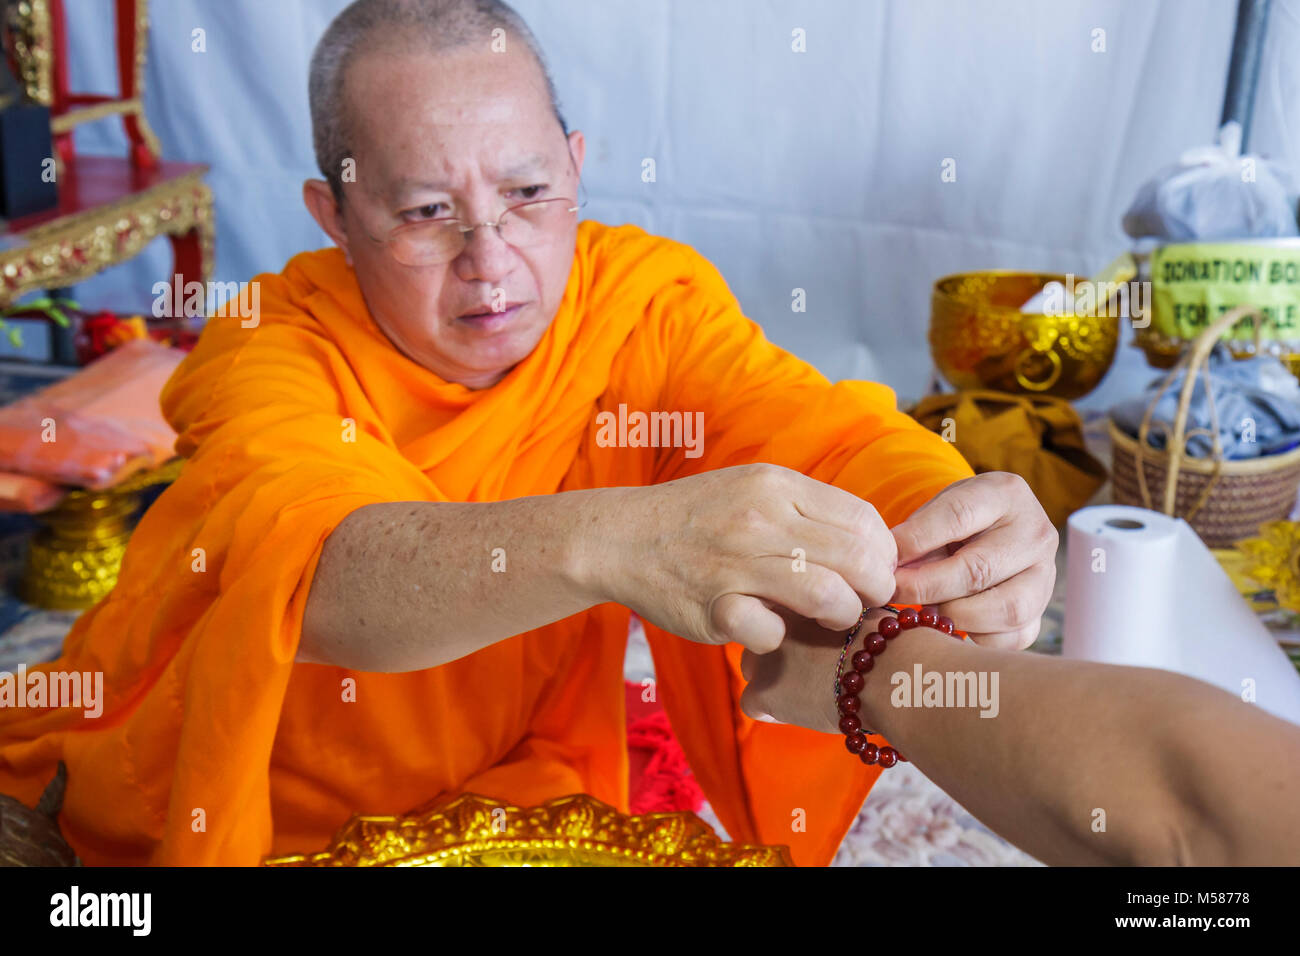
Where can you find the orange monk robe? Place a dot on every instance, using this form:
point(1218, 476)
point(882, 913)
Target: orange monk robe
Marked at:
point(215, 747)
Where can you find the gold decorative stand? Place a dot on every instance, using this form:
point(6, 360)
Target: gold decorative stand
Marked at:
point(577, 830)
point(75, 559)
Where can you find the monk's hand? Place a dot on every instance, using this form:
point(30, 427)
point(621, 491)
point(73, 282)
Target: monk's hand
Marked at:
point(712, 557)
point(984, 551)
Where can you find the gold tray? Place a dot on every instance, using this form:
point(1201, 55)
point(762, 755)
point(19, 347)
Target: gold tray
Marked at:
point(576, 830)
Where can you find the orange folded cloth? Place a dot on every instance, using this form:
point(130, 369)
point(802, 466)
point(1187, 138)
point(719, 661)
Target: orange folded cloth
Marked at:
point(96, 427)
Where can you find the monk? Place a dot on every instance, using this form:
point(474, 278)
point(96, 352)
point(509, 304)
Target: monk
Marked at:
point(427, 484)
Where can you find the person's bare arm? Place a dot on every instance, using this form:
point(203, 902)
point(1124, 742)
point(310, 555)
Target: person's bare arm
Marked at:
point(411, 585)
point(1177, 771)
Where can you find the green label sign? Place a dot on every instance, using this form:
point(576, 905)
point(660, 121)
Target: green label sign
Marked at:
point(1192, 284)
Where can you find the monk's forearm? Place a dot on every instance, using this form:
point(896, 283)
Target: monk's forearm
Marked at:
point(1078, 762)
point(409, 585)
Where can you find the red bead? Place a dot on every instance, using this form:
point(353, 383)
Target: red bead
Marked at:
point(856, 742)
point(907, 617)
point(888, 756)
point(850, 724)
point(875, 644)
point(869, 753)
point(929, 616)
point(849, 703)
point(862, 661)
point(888, 627)
point(851, 682)
point(946, 625)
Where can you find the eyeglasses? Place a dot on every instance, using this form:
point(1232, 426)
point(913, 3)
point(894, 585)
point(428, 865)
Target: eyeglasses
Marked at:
point(438, 241)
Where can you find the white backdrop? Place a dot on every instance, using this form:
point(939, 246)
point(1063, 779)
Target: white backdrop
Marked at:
point(817, 170)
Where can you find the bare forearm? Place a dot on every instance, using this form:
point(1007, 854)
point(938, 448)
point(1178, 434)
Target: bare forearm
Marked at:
point(411, 585)
point(1092, 763)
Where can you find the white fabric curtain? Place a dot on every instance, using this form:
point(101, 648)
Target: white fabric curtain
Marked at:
point(816, 170)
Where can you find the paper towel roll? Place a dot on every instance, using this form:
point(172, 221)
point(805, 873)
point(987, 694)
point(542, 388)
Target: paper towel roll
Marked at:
point(1143, 590)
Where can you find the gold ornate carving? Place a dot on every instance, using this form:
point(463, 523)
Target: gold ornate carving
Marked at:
point(88, 114)
point(76, 557)
point(141, 55)
point(577, 830)
point(32, 40)
point(72, 249)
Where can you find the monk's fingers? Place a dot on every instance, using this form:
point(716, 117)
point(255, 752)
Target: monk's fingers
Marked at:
point(747, 620)
point(960, 511)
point(1017, 640)
point(984, 562)
point(827, 505)
point(1006, 616)
point(938, 554)
point(865, 560)
point(809, 590)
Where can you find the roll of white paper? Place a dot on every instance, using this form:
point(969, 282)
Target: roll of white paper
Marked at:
point(1143, 590)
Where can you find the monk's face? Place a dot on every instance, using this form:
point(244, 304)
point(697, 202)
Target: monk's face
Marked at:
point(465, 135)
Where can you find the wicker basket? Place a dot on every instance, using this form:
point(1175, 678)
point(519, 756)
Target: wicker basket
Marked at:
point(1223, 501)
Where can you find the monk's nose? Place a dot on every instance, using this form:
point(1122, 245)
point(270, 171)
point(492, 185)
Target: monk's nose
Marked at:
point(486, 256)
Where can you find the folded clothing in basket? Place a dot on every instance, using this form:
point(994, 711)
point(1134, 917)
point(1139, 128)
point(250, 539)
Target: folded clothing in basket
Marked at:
point(1257, 403)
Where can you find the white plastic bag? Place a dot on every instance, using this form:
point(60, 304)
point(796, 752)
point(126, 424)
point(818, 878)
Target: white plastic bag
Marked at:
point(1216, 193)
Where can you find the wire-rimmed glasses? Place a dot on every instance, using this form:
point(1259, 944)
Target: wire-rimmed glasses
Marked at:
point(523, 225)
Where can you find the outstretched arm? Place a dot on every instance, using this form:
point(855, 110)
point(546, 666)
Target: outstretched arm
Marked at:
point(409, 585)
point(1080, 763)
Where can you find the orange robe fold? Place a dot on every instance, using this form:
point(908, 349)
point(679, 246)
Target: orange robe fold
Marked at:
point(214, 747)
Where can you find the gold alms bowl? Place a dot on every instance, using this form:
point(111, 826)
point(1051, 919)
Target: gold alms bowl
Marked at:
point(979, 338)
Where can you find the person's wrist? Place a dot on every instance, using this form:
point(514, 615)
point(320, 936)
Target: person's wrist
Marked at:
point(870, 704)
point(863, 689)
point(597, 544)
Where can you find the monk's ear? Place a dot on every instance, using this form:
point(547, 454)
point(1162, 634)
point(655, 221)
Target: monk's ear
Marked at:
point(578, 149)
point(320, 202)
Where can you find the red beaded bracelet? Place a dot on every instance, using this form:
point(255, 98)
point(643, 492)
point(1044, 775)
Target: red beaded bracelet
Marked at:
point(848, 685)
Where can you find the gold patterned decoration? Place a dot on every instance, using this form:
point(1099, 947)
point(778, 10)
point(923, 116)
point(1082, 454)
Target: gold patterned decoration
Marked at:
point(979, 338)
point(32, 39)
point(576, 830)
point(71, 249)
point(96, 111)
point(141, 55)
point(74, 560)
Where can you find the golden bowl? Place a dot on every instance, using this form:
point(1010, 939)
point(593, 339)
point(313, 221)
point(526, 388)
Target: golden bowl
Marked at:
point(979, 338)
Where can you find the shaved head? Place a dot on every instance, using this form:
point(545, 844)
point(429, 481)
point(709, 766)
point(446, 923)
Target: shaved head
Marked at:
point(395, 27)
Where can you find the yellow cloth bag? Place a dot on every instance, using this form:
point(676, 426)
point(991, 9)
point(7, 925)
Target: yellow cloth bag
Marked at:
point(1039, 438)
